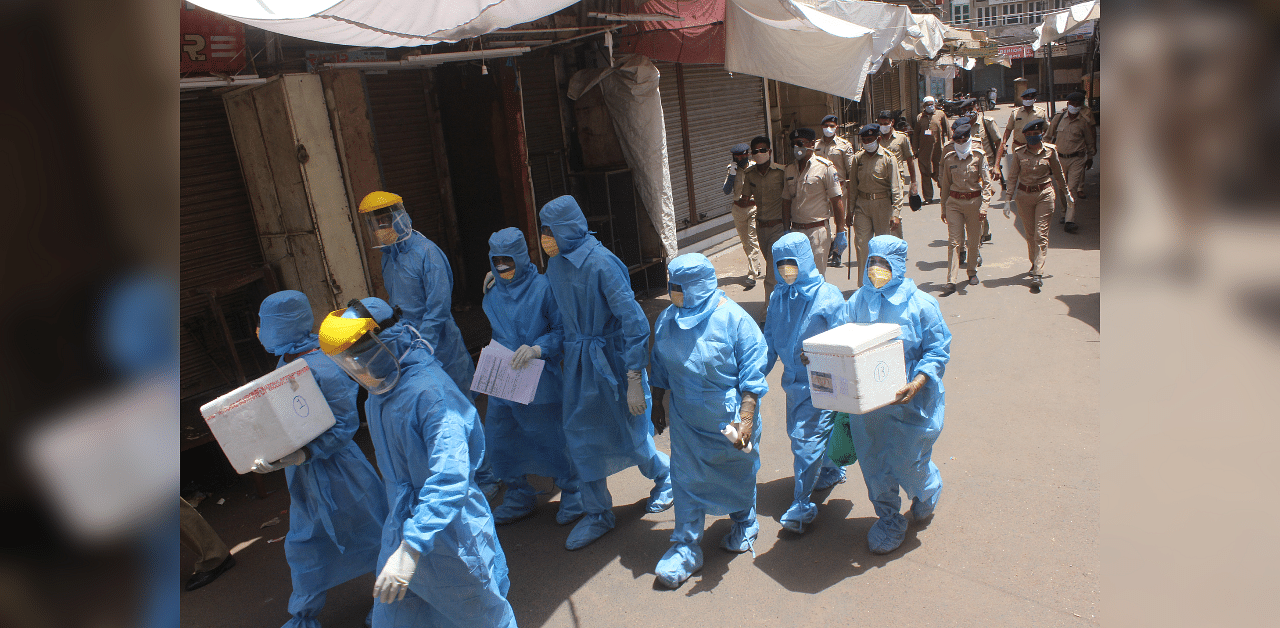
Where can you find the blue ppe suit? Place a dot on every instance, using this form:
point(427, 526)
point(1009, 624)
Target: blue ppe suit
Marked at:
point(529, 438)
point(429, 441)
point(336, 509)
point(798, 311)
point(606, 334)
point(895, 443)
point(707, 353)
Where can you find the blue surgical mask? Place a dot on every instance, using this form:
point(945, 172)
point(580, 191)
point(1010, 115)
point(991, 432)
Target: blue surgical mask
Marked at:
point(1034, 139)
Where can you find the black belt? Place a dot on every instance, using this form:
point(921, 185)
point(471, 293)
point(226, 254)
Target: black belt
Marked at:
point(768, 223)
point(1079, 153)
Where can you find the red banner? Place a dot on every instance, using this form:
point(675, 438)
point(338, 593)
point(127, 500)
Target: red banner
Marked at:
point(210, 42)
point(1017, 52)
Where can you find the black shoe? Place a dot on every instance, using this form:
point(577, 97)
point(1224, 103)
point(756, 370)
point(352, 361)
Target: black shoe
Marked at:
point(202, 578)
point(1070, 227)
point(973, 280)
point(986, 238)
point(951, 288)
point(1037, 281)
point(751, 283)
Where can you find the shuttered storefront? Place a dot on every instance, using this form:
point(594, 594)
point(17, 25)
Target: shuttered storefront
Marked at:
point(886, 89)
point(219, 243)
point(720, 110)
point(544, 131)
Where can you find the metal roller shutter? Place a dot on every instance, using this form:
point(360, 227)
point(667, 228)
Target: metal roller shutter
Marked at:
point(544, 131)
point(886, 88)
point(723, 110)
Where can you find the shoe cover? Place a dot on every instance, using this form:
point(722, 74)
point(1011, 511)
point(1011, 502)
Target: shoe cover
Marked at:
point(680, 562)
point(829, 477)
point(798, 515)
point(742, 537)
point(570, 507)
point(661, 497)
point(886, 534)
point(590, 528)
point(920, 510)
point(511, 511)
point(491, 489)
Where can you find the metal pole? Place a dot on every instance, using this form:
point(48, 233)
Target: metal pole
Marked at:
point(1048, 57)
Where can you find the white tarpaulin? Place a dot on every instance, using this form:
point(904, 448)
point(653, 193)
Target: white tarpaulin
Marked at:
point(787, 41)
point(923, 44)
point(630, 90)
point(383, 23)
point(1060, 23)
point(898, 33)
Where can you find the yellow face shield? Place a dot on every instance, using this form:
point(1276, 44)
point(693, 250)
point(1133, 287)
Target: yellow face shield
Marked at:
point(879, 275)
point(505, 266)
point(789, 271)
point(549, 245)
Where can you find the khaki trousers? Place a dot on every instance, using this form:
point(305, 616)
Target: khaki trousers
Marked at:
point(744, 218)
point(870, 219)
point(964, 228)
point(1073, 168)
point(927, 173)
point(820, 242)
point(196, 535)
point(768, 236)
point(1035, 210)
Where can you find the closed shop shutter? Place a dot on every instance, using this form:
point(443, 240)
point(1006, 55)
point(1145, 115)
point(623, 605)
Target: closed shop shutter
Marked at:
point(402, 128)
point(544, 131)
point(886, 88)
point(218, 241)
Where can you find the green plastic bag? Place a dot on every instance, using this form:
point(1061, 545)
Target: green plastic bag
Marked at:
point(840, 444)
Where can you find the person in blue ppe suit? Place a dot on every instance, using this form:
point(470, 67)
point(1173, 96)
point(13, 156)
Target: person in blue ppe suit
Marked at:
point(709, 353)
point(527, 438)
point(440, 564)
point(606, 348)
point(336, 508)
point(895, 443)
point(419, 281)
point(802, 305)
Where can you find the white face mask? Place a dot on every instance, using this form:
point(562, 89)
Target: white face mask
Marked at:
point(963, 148)
point(760, 158)
point(828, 131)
point(928, 108)
point(1072, 109)
point(871, 147)
point(885, 129)
point(1028, 103)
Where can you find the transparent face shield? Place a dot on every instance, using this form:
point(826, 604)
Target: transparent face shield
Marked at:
point(370, 363)
point(549, 244)
point(388, 225)
point(788, 269)
point(879, 272)
point(505, 266)
point(677, 294)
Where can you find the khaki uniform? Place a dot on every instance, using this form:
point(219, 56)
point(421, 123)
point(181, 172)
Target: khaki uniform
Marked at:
point(1019, 118)
point(810, 193)
point(875, 190)
point(931, 133)
point(196, 535)
point(1033, 175)
point(1074, 139)
point(744, 218)
point(965, 186)
point(765, 193)
point(900, 146)
point(839, 152)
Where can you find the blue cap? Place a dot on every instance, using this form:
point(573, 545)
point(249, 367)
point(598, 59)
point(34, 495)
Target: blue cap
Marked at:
point(870, 129)
point(808, 134)
point(738, 149)
point(1038, 124)
point(829, 119)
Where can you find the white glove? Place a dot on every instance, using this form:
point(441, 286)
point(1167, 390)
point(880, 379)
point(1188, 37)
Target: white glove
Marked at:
point(489, 280)
point(524, 354)
point(393, 582)
point(733, 168)
point(297, 457)
point(635, 393)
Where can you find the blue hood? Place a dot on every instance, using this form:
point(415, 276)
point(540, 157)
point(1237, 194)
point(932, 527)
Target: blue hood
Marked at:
point(569, 226)
point(899, 288)
point(694, 273)
point(510, 242)
point(286, 322)
point(794, 246)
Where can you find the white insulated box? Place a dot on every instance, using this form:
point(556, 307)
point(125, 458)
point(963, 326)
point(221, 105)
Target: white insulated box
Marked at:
point(269, 417)
point(856, 367)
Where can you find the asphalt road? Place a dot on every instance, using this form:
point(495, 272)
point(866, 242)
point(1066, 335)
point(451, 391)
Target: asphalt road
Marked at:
point(1014, 541)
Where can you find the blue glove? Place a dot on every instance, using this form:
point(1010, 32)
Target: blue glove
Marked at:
point(841, 243)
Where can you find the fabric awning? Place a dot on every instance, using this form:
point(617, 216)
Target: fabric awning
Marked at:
point(1062, 22)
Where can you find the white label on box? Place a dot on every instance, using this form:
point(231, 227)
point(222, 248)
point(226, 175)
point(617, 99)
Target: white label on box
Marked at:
point(820, 382)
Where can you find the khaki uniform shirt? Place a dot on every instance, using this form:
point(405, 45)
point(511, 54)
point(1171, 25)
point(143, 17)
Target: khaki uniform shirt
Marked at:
point(1071, 136)
point(900, 146)
point(964, 175)
point(1037, 167)
point(1019, 118)
point(764, 190)
point(811, 191)
point(838, 151)
point(931, 133)
point(876, 173)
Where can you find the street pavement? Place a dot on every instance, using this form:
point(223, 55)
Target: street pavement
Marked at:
point(1014, 541)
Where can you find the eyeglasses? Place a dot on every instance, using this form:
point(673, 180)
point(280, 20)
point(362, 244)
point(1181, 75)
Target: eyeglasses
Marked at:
point(759, 151)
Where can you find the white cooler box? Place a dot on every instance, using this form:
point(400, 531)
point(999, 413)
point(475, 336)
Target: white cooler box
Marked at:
point(856, 367)
point(269, 417)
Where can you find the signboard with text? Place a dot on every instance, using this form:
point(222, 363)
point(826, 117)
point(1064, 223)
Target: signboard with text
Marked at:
point(210, 42)
point(1017, 52)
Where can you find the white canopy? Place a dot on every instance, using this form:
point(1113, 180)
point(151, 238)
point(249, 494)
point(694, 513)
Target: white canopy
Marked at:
point(383, 23)
point(1062, 22)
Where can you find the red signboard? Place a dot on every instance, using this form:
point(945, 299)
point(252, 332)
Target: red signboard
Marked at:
point(1017, 52)
point(210, 42)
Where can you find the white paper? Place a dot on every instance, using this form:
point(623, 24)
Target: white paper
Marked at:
point(495, 377)
point(928, 132)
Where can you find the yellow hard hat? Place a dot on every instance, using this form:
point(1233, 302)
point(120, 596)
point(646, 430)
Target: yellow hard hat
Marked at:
point(379, 200)
point(338, 333)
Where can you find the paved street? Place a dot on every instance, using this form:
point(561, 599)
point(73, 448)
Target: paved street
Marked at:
point(1014, 541)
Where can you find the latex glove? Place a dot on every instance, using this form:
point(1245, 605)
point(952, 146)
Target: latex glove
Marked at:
point(841, 243)
point(298, 457)
point(489, 280)
point(635, 393)
point(906, 393)
point(659, 414)
point(393, 582)
point(745, 427)
point(524, 354)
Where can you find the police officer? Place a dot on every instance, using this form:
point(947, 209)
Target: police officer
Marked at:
point(900, 145)
point(1034, 169)
point(1073, 135)
point(812, 195)
point(1018, 118)
point(875, 188)
point(965, 185)
point(931, 133)
point(762, 186)
point(744, 218)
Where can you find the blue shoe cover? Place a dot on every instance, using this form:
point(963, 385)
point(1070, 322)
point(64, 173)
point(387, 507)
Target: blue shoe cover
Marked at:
point(742, 537)
point(920, 511)
point(590, 528)
point(680, 562)
point(661, 497)
point(511, 511)
point(798, 515)
point(570, 507)
point(829, 477)
point(886, 534)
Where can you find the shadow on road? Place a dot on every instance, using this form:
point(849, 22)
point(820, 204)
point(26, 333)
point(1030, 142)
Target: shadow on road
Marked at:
point(1083, 307)
point(931, 265)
